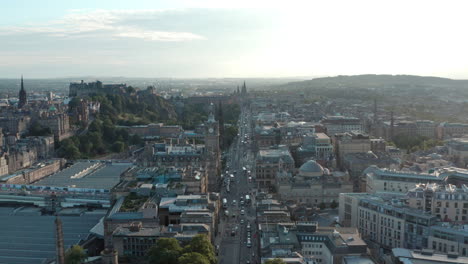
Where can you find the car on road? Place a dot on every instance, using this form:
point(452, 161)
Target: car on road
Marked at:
point(248, 226)
point(242, 212)
point(242, 221)
point(249, 243)
point(234, 202)
point(233, 233)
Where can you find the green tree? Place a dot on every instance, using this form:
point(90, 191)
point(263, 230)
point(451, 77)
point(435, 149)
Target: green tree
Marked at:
point(118, 146)
point(37, 130)
point(136, 140)
point(322, 206)
point(229, 134)
point(333, 204)
point(193, 258)
point(69, 150)
point(274, 261)
point(165, 251)
point(75, 255)
point(95, 126)
point(201, 244)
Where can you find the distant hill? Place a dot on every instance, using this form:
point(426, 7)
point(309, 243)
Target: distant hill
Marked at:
point(374, 81)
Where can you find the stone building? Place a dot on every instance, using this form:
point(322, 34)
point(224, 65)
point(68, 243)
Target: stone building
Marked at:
point(458, 150)
point(447, 130)
point(386, 221)
point(83, 89)
point(58, 123)
point(356, 163)
point(447, 202)
point(269, 162)
point(350, 142)
point(342, 124)
point(34, 173)
point(317, 146)
point(313, 185)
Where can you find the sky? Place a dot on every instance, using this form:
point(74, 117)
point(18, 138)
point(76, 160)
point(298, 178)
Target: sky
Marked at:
point(216, 38)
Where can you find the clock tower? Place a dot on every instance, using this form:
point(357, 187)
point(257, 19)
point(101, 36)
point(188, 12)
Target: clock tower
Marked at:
point(212, 132)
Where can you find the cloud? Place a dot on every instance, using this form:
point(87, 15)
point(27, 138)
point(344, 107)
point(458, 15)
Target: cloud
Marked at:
point(107, 24)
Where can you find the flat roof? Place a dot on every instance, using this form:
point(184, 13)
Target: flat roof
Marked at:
point(29, 238)
point(411, 256)
point(87, 175)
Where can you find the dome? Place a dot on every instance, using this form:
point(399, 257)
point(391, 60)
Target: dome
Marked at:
point(311, 168)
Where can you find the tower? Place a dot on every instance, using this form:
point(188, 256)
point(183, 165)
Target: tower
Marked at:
point(59, 247)
point(22, 95)
point(221, 125)
point(213, 152)
point(212, 131)
point(375, 110)
point(392, 123)
point(244, 90)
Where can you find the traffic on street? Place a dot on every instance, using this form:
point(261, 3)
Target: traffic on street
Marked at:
point(238, 228)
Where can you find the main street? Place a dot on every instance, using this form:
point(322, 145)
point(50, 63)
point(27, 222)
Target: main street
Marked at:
point(239, 236)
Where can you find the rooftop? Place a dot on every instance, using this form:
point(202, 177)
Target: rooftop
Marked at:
point(29, 238)
point(417, 257)
point(87, 175)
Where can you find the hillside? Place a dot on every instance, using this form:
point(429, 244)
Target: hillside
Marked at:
point(374, 81)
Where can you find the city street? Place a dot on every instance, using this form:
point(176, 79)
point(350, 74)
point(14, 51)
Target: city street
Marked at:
point(235, 243)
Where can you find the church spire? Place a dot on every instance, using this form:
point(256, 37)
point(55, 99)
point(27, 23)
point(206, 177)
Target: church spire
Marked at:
point(211, 117)
point(22, 95)
point(244, 89)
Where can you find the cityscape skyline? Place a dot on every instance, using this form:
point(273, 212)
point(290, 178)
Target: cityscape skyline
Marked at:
point(215, 39)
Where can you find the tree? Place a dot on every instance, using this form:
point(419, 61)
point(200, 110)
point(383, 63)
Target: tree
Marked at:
point(118, 146)
point(193, 258)
point(229, 134)
point(75, 255)
point(201, 244)
point(274, 261)
point(165, 251)
point(322, 206)
point(38, 130)
point(333, 204)
point(69, 150)
point(136, 140)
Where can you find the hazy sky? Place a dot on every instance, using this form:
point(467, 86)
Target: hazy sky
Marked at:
point(214, 38)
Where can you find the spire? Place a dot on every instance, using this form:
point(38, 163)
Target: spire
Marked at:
point(375, 110)
point(211, 117)
point(221, 124)
point(238, 91)
point(392, 123)
point(244, 89)
point(22, 95)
